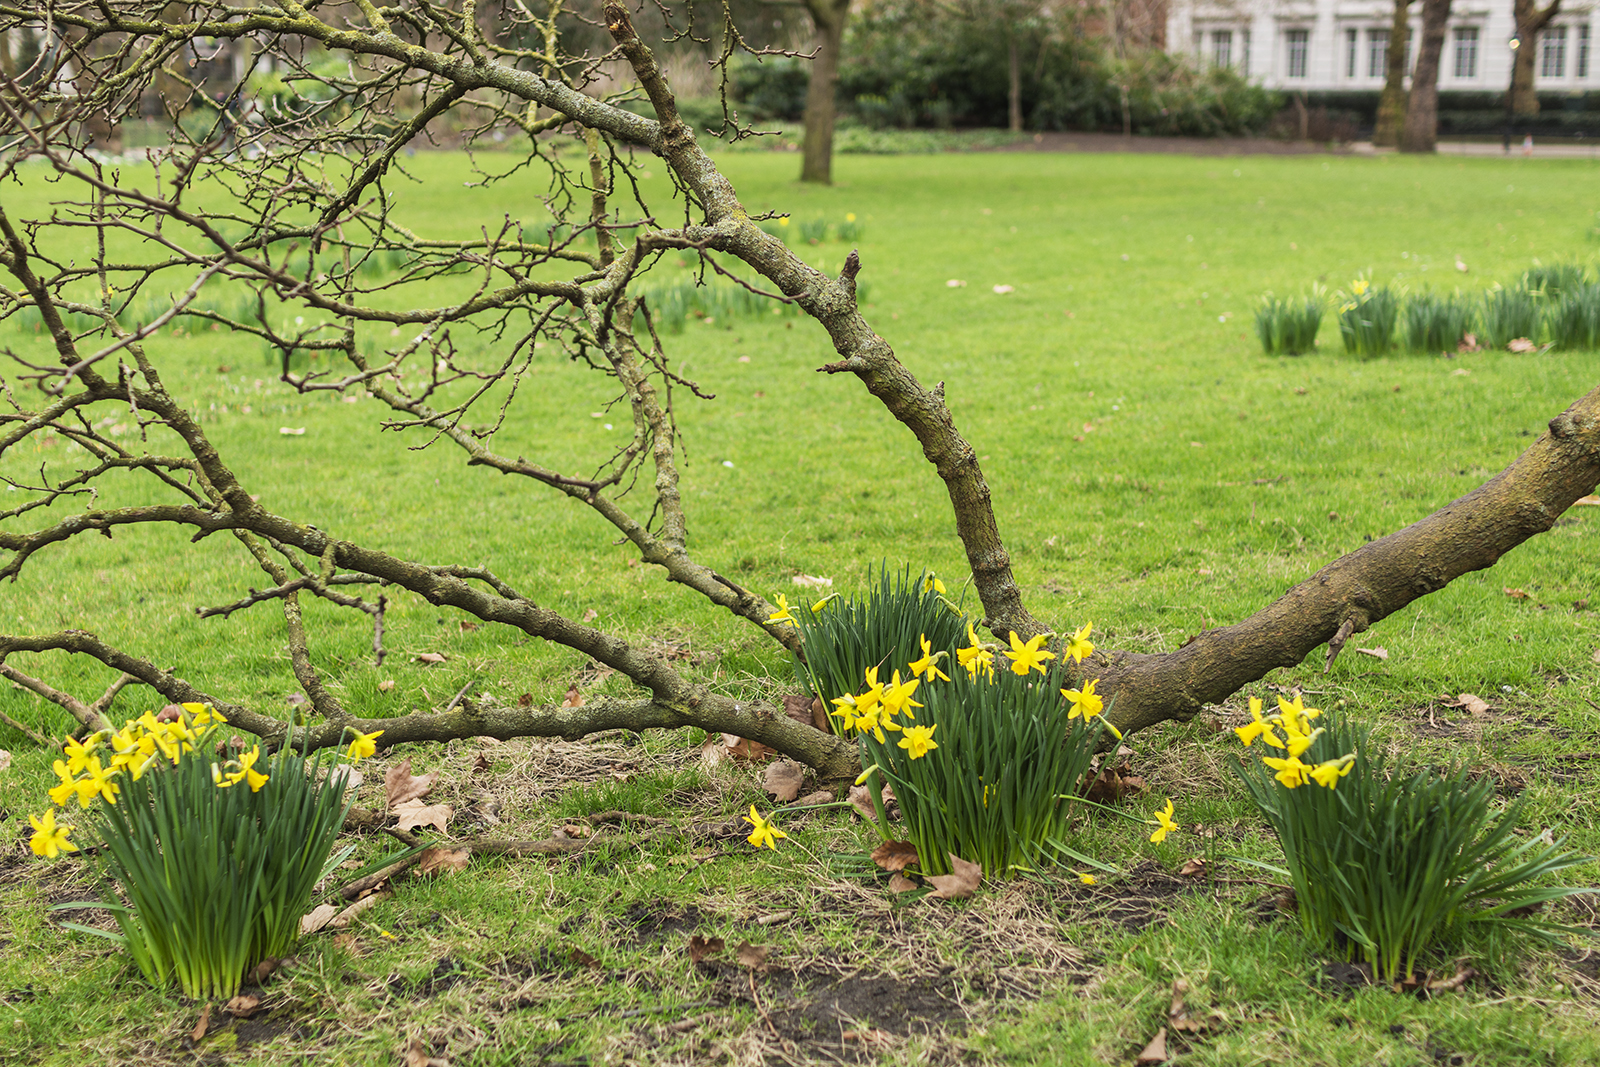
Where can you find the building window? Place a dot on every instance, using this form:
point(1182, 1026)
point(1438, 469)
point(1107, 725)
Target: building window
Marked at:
point(1299, 47)
point(1244, 52)
point(1581, 60)
point(1222, 48)
point(1467, 52)
point(1377, 53)
point(1553, 61)
point(1350, 47)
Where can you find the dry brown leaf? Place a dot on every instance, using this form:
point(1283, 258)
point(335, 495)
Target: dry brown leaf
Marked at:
point(1194, 868)
point(1376, 653)
point(414, 813)
point(525, 700)
point(266, 968)
point(1515, 594)
point(860, 796)
point(1590, 501)
point(798, 707)
point(899, 883)
point(480, 764)
point(5, 760)
point(774, 917)
point(1473, 703)
point(436, 860)
point(243, 1006)
point(701, 948)
point(752, 956)
point(417, 1055)
point(783, 780)
point(1113, 783)
point(400, 785)
point(1156, 1050)
point(204, 1024)
point(467, 627)
point(819, 715)
point(573, 699)
point(1521, 344)
point(386, 685)
point(961, 882)
point(590, 615)
point(741, 748)
point(821, 796)
point(348, 915)
point(870, 1037)
point(432, 657)
point(812, 581)
point(895, 855)
point(317, 918)
point(576, 830)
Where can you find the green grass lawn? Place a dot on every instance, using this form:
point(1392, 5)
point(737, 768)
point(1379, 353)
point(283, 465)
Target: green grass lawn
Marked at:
point(1152, 471)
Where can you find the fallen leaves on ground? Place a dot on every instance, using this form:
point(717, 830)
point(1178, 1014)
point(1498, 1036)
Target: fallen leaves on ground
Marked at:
point(243, 1006)
point(752, 956)
point(701, 948)
point(1454, 982)
point(895, 855)
point(961, 882)
point(573, 699)
point(1179, 1017)
point(719, 747)
point(400, 785)
point(417, 1055)
point(798, 707)
point(783, 779)
point(1194, 867)
point(5, 760)
point(386, 685)
point(1113, 783)
point(1520, 344)
point(1156, 1050)
point(813, 581)
point(1588, 501)
point(432, 657)
point(821, 796)
point(1376, 653)
point(1515, 594)
point(199, 1030)
point(1473, 703)
point(317, 918)
point(414, 814)
point(899, 883)
point(436, 860)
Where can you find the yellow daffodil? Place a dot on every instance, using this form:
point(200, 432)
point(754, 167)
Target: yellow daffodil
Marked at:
point(929, 663)
point(68, 788)
point(1257, 727)
point(782, 614)
point(1328, 774)
point(765, 833)
point(850, 216)
point(1079, 645)
point(364, 745)
point(974, 658)
point(824, 602)
point(933, 584)
point(861, 779)
point(1086, 879)
point(1291, 772)
point(96, 781)
point(919, 741)
point(1085, 702)
point(897, 695)
point(1164, 823)
point(784, 221)
point(78, 754)
point(1359, 286)
point(247, 772)
point(1029, 656)
point(49, 840)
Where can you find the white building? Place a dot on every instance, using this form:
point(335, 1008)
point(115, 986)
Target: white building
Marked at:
point(1343, 44)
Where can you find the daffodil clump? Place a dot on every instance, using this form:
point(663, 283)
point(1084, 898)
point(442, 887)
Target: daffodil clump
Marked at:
point(1387, 866)
point(844, 637)
point(986, 757)
point(1367, 318)
point(215, 848)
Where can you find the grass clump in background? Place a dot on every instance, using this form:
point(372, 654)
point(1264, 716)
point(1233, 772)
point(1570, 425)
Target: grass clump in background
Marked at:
point(1288, 327)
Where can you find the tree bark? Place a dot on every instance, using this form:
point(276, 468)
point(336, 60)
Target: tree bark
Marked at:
point(829, 17)
point(1530, 21)
point(1014, 83)
point(1421, 130)
point(1392, 105)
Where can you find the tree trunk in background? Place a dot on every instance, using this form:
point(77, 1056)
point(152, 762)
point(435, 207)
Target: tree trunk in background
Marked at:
point(1392, 105)
point(1420, 133)
point(1530, 20)
point(1014, 86)
point(828, 17)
